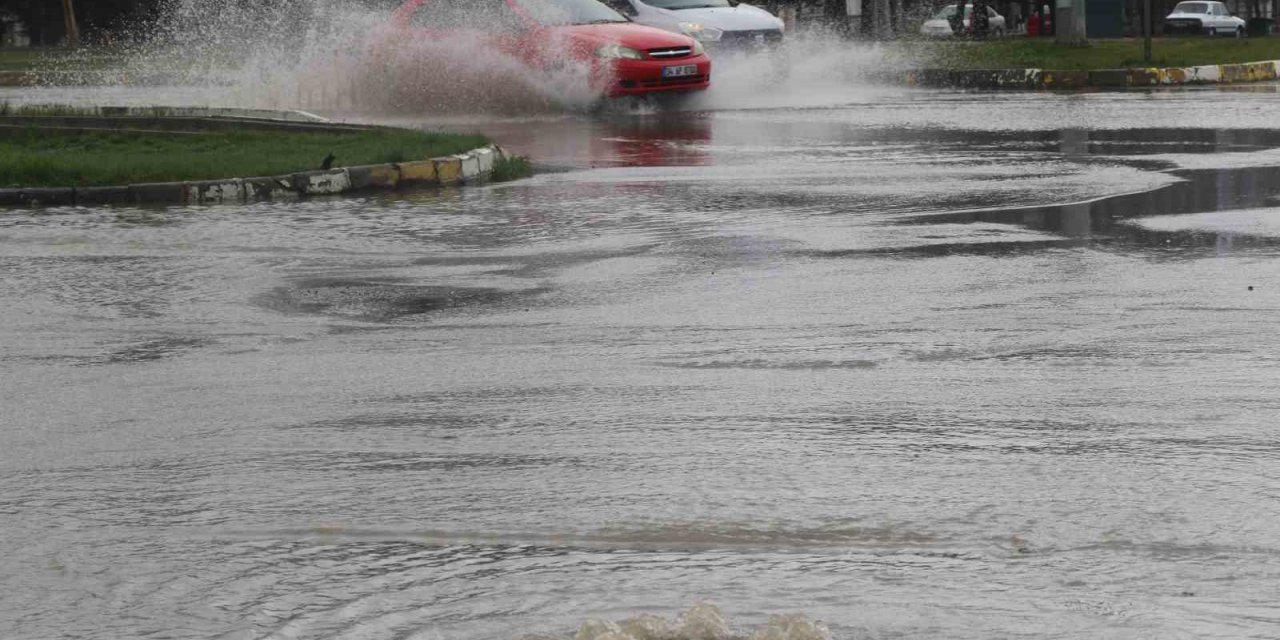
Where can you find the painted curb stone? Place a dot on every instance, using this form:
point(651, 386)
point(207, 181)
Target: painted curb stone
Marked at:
point(472, 166)
point(322, 183)
point(448, 170)
point(486, 160)
point(385, 176)
point(418, 171)
point(215, 191)
point(269, 188)
point(1144, 77)
point(1097, 78)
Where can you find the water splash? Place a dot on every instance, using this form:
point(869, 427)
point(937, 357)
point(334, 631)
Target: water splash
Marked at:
point(814, 69)
point(335, 54)
point(342, 56)
point(702, 621)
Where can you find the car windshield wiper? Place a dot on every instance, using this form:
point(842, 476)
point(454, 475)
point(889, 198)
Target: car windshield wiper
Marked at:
point(610, 21)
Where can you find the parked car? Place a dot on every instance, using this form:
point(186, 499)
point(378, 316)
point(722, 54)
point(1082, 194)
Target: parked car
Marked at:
point(719, 24)
point(624, 58)
point(1206, 17)
point(939, 26)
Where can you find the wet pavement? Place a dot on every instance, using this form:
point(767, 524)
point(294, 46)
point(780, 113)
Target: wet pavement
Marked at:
point(919, 364)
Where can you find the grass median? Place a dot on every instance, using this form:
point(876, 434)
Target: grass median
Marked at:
point(1043, 53)
point(31, 157)
point(37, 58)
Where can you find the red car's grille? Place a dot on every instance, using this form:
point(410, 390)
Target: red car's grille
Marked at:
point(757, 38)
point(670, 52)
point(665, 82)
point(668, 82)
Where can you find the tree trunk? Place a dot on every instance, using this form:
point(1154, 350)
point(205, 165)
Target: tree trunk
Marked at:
point(1068, 23)
point(69, 16)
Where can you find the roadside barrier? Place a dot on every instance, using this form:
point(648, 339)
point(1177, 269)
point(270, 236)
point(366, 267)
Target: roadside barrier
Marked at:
point(1098, 78)
point(473, 166)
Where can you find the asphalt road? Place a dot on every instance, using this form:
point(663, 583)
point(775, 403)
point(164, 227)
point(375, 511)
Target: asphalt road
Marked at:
point(919, 364)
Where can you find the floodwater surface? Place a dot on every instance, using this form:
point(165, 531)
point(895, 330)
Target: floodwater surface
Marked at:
point(919, 365)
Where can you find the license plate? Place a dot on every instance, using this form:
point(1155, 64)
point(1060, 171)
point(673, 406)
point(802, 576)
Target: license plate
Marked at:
point(680, 71)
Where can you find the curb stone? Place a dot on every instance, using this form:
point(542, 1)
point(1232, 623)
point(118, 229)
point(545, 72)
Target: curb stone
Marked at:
point(374, 176)
point(103, 195)
point(214, 191)
point(422, 171)
point(448, 170)
point(473, 166)
point(322, 183)
point(1098, 78)
point(41, 197)
point(158, 192)
point(291, 115)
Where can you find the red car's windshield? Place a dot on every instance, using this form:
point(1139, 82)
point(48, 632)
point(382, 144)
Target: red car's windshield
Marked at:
point(562, 12)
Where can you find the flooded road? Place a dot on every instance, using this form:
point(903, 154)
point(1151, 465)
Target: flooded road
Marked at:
point(917, 364)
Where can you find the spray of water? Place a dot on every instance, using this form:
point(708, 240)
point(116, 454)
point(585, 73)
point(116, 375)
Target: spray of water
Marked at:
point(702, 621)
point(341, 56)
point(816, 68)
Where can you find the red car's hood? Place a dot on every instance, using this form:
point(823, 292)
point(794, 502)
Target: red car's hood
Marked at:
point(627, 34)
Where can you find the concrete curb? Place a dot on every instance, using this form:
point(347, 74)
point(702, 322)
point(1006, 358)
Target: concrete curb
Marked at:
point(473, 166)
point(274, 115)
point(1099, 78)
point(291, 115)
point(16, 79)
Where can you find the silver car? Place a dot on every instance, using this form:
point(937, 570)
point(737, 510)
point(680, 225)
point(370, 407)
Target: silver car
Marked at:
point(1206, 17)
point(718, 24)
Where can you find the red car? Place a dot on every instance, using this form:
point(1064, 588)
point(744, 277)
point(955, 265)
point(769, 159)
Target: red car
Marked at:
point(622, 58)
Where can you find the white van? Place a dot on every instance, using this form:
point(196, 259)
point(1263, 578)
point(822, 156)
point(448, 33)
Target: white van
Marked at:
point(718, 24)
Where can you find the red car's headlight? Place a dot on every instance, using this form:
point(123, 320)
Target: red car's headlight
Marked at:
point(615, 51)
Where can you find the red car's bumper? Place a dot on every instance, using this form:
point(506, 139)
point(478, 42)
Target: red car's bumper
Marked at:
point(639, 77)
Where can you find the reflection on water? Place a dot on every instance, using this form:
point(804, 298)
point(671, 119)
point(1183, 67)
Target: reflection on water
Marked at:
point(1110, 219)
point(918, 381)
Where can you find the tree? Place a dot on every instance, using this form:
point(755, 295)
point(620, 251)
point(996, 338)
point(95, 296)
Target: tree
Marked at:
point(69, 24)
point(47, 26)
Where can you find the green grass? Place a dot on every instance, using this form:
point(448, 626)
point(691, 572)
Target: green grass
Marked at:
point(39, 58)
point(19, 59)
point(35, 158)
point(1042, 53)
point(9, 109)
point(511, 168)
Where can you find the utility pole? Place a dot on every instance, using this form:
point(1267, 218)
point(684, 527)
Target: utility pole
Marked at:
point(69, 18)
point(1146, 31)
point(1069, 22)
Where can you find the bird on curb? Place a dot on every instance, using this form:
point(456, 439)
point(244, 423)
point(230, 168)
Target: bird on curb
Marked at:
point(327, 163)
